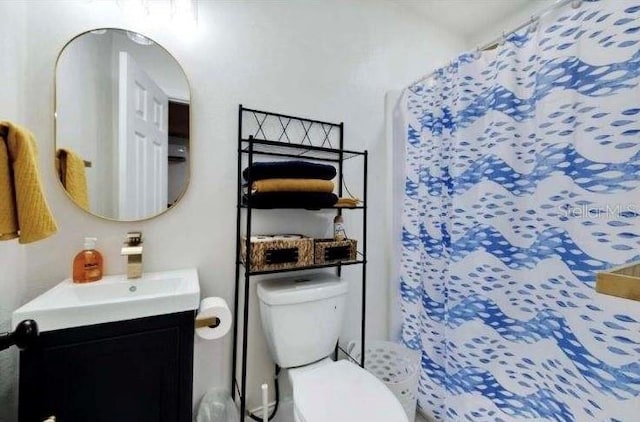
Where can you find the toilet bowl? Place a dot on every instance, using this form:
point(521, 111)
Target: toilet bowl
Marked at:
point(342, 392)
point(302, 318)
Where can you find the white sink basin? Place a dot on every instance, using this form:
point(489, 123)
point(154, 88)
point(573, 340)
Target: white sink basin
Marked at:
point(114, 298)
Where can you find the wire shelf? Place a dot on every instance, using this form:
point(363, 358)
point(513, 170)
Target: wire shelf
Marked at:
point(358, 261)
point(299, 151)
point(260, 134)
point(359, 207)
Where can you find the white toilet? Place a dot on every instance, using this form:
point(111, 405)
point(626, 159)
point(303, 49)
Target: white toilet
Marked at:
point(302, 317)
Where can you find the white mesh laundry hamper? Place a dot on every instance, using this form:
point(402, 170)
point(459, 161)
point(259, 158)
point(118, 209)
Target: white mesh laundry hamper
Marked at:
point(395, 365)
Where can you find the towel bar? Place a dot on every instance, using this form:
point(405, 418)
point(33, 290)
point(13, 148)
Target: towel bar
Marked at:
point(24, 335)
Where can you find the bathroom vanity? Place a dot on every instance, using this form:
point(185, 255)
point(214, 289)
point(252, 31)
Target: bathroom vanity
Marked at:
point(112, 350)
point(128, 371)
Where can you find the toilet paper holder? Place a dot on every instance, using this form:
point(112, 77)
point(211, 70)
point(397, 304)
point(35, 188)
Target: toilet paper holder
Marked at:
point(213, 319)
point(211, 322)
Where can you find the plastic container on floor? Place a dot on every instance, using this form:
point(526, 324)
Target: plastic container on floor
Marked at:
point(217, 406)
point(395, 365)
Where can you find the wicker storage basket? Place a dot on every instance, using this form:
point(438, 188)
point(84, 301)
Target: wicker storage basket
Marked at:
point(329, 251)
point(278, 252)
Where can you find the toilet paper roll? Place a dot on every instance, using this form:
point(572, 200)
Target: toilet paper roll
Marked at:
point(214, 307)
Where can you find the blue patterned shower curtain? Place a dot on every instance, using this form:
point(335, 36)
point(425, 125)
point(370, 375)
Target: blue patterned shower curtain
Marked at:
point(522, 179)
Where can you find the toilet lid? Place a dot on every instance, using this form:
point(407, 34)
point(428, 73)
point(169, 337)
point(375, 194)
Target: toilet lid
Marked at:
point(344, 392)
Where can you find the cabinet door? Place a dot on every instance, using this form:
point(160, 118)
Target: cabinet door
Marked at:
point(127, 378)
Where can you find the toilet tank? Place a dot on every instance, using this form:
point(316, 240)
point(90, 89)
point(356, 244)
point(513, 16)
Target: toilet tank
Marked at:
point(302, 317)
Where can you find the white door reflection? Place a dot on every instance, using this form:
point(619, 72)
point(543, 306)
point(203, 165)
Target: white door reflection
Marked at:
point(142, 142)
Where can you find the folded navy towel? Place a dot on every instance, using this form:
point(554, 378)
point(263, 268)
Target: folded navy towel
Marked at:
point(290, 170)
point(309, 200)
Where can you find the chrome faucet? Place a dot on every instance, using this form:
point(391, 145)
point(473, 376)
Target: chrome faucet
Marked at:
point(132, 249)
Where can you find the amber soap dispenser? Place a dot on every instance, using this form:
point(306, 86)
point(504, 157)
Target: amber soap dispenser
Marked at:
point(87, 265)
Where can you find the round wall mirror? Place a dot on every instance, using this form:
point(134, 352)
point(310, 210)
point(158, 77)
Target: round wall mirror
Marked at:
point(122, 125)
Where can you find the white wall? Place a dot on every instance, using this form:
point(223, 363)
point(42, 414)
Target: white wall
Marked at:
point(13, 264)
point(488, 34)
point(332, 60)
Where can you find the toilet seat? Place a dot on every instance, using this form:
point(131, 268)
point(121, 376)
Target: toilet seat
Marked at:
point(342, 392)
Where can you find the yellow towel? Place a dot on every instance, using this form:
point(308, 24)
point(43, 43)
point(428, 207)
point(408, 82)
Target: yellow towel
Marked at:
point(24, 212)
point(73, 176)
point(292, 185)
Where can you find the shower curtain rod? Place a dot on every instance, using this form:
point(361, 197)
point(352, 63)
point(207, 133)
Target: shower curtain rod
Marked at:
point(491, 44)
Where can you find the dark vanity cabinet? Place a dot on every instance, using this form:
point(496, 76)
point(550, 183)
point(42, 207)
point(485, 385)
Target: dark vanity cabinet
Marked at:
point(130, 371)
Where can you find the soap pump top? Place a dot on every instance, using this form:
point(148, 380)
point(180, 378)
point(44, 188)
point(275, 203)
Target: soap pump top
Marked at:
point(90, 243)
point(87, 265)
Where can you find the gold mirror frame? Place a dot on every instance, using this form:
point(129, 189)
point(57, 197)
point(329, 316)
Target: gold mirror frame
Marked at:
point(55, 128)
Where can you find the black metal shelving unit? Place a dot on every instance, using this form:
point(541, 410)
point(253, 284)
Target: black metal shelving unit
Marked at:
point(266, 134)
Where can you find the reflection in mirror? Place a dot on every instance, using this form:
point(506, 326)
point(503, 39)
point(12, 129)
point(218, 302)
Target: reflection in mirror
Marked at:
point(122, 125)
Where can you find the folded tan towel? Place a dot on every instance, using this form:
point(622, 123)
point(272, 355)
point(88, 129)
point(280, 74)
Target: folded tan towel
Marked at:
point(73, 176)
point(24, 212)
point(347, 202)
point(292, 185)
